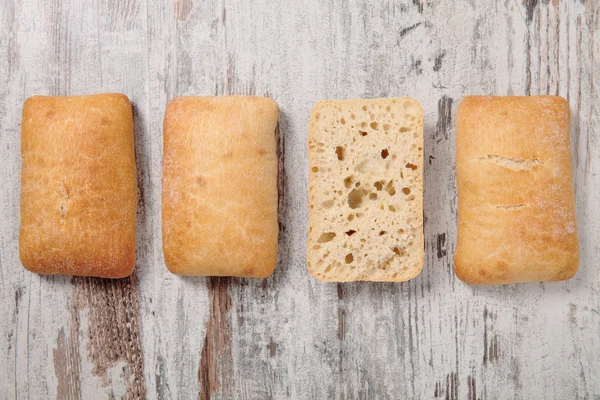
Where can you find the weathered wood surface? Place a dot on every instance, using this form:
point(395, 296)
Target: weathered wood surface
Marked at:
point(157, 335)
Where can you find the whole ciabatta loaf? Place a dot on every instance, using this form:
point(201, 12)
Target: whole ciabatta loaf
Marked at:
point(78, 186)
point(516, 203)
point(366, 190)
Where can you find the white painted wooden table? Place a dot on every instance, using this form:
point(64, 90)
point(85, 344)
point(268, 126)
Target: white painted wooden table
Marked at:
point(157, 335)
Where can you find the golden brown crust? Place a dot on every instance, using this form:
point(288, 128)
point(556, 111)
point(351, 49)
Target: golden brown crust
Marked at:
point(516, 204)
point(78, 186)
point(219, 210)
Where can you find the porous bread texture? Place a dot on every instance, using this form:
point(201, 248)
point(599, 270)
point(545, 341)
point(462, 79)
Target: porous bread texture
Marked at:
point(366, 190)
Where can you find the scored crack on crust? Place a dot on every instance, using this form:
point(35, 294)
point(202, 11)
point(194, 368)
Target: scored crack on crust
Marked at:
point(366, 190)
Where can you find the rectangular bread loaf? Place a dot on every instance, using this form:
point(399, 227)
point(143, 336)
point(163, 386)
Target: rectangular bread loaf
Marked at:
point(516, 204)
point(78, 186)
point(366, 190)
point(219, 204)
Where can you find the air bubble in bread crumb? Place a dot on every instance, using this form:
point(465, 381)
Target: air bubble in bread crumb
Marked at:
point(327, 204)
point(401, 252)
point(348, 181)
point(355, 198)
point(340, 151)
point(390, 188)
point(349, 258)
point(374, 125)
point(326, 237)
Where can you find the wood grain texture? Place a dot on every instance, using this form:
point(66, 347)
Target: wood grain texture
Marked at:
point(214, 371)
point(160, 336)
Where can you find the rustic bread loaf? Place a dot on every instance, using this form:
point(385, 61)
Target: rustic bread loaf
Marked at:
point(78, 186)
point(366, 190)
point(219, 209)
point(516, 204)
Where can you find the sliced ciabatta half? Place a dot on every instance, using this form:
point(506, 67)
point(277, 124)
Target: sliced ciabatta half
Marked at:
point(366, 190)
